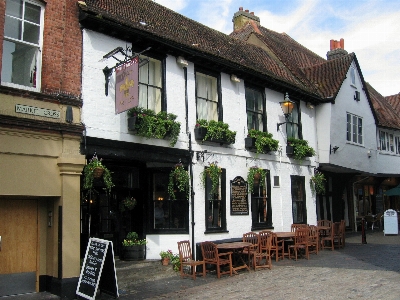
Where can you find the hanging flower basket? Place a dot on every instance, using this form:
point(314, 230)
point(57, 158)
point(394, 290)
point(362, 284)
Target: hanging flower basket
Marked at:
point(98, 172)
point(178, 180)
point(256, 176)
point(214, 173)
point(94, 170)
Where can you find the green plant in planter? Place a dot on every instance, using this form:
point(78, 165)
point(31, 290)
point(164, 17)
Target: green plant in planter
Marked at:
point(132, 239)
point(217, 130)
point(317, 182)
point(255, 173)
point(178, 177)
point(214, 172)
point(128, 203)
point(263, 140)
point(152, 125)
point(90, 172)
point(301, 148)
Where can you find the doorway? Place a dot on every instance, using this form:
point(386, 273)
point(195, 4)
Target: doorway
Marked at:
point(18, 248)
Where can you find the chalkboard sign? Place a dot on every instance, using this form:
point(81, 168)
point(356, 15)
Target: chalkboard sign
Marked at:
point(98, 270)
point(239, 202)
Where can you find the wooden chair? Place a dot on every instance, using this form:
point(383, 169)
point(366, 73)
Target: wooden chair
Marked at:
point(186, 259)
point(263, 251)
point(337, 237)
point(210, 254)
point(313, 239)
point(252, 238)
point(300, 242)
point(277, 246)
point(293, 227)
point(343, 229)
point(329, 237)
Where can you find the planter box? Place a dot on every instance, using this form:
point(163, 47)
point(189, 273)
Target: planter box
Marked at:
point(250, 144)
point(132, 123)
point(289, 150)
point(137, 252)
point(200, 133)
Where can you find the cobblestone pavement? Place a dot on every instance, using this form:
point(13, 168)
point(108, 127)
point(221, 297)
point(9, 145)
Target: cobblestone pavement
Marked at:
point(359, 271)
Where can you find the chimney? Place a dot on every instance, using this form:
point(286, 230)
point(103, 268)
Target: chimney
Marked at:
point(241, 18)
point(336, 49)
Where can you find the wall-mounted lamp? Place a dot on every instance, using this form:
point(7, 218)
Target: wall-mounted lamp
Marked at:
point(369, 153)
point(181, 61)
point(310, 105)
point(335, 149)
point(234, 78)
point(287, 106)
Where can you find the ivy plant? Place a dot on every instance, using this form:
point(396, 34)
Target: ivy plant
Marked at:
point(301, 149)
point(179, 178)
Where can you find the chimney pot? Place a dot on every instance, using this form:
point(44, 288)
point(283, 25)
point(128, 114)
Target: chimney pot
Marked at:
point(247, 10)
point(241, 8)
point(252, 13)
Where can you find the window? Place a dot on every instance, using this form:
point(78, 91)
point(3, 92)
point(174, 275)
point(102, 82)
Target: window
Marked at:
point(150, 84)
point(299, 209)
point(354, 129)
point(23, 30)
point(167, 215)
point(261, 211)
point(353, 76)
point(207, 97)
point(215, 205)
point(293, 124)
point(389, 142)
point(255, 109)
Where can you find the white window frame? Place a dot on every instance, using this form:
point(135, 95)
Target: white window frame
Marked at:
point(39, 47)
point(389, 142)
point(352, 136)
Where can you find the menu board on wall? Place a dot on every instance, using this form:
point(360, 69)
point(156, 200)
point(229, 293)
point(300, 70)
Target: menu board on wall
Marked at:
point(239, 197)
point(98, 270)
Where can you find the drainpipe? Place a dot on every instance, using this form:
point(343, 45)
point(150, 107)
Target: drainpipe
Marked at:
point(191, 161)
point(354, 203)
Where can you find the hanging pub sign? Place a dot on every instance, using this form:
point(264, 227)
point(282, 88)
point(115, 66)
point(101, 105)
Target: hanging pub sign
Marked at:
point(239, 202)
point(126, 85)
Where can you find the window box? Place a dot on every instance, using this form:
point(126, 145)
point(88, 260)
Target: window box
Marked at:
point(250, 144)
point(216, 132)
point(146, 123)
point(299, 149)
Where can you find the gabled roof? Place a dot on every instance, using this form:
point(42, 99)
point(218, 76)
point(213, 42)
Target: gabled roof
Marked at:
point(394, 100)
point(160, 24)
point(386, 114)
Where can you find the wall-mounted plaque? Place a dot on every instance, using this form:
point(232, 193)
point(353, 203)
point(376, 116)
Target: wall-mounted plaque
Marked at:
point(239, 197)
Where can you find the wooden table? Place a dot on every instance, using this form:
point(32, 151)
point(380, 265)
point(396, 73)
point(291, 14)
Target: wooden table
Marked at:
point(237, 249)
point(285, 235)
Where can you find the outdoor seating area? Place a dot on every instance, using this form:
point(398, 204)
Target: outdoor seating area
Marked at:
point(257, 249)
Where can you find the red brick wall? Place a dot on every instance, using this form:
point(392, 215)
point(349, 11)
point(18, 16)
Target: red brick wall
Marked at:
point(62, 48)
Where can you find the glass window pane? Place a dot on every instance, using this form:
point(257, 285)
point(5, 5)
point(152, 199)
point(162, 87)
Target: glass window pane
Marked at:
point(154, 99)
point(143, 74)
point(31, 33)
point(155, 72)
point(354, 129)
point(12, 28)
point(19, 62)
point(360, 131)
point(14, 8)
point(32, 13)
point(213, 111)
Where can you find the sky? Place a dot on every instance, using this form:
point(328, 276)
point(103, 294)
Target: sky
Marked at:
point(370, 28)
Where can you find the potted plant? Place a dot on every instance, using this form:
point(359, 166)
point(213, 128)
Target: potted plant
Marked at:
point(254, 176)
point(299, 149)
point(128, 203)
point(214, 131)
point(96, 169)
point(214, 173)
point(166, 257)
point(263, 142)
point(178, 178)
point(317, 182)
point(146, 123)
point(134, 248)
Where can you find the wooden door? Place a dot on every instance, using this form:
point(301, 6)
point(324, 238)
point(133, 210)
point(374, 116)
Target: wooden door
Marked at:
point(19, 240)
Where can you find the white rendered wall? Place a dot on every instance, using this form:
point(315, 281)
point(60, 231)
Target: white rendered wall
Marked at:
point(98, 114)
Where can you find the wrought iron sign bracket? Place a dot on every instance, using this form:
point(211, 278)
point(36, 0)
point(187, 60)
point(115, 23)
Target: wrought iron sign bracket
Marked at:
point(108, 71)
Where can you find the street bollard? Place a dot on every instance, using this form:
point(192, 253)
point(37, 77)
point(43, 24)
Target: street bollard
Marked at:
point(363, 235)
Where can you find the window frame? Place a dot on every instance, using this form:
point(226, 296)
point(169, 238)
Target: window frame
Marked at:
point(218, 91)
point(290, 124)
point(162, 60)
point(352, 76)
point(300, 182)
point(223, 208)
point(167, 204)
point(37, 71)
point(350, 133)
point(255, 225)
point(253, 111)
